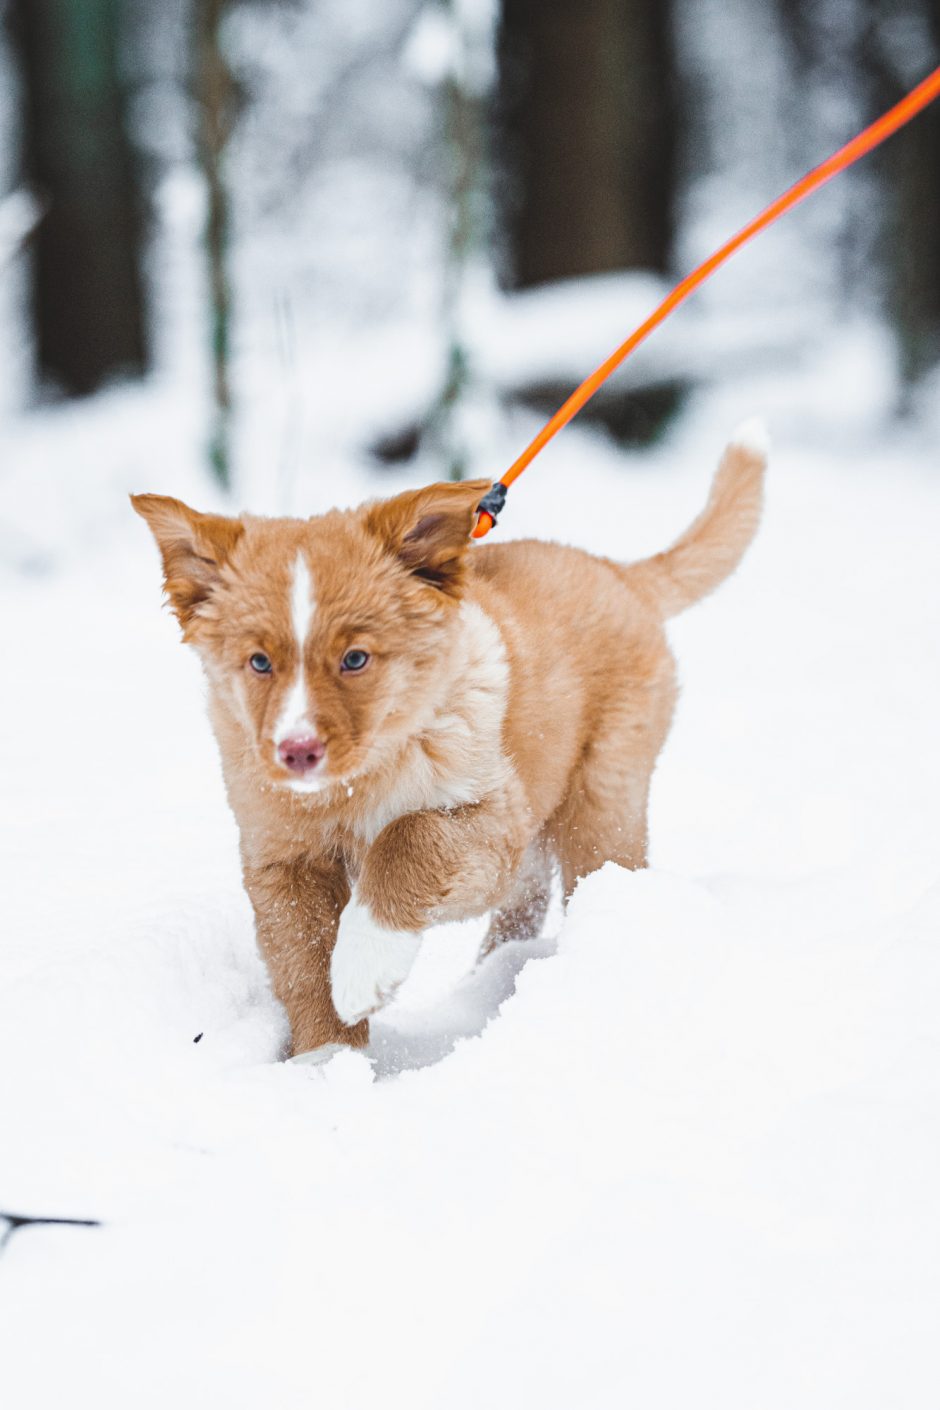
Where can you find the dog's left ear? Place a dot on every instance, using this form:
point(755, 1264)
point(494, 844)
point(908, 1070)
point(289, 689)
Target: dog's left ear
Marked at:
point(193, 547)
point(428, 530)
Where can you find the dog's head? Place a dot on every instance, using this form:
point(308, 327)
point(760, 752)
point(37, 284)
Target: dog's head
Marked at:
point(324, 640)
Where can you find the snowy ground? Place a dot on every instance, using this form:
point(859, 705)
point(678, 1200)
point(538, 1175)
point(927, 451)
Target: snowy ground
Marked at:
point(687, 1157)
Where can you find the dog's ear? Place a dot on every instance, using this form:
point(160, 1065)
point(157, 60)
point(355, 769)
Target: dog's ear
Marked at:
point(193, 547)
point(428, 530)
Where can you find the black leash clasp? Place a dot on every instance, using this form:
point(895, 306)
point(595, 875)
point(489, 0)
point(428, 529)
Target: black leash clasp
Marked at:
point(494, 501)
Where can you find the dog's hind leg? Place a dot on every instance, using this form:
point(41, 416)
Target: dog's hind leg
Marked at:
point(522, 913)
point(604, 817)
point(594, 832)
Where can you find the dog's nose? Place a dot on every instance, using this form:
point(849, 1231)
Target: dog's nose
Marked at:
point(301, 755)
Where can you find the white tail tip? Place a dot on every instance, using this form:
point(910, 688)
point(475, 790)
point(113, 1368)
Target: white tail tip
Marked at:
point(753, 435)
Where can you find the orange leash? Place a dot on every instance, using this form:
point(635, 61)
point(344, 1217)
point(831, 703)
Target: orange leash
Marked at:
point(860, 146)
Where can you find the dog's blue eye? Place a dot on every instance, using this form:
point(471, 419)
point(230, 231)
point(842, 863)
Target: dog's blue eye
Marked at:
point(260, 663)
point(355, 660)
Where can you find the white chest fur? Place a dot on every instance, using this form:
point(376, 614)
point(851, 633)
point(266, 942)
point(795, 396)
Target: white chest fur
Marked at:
point(457, 756)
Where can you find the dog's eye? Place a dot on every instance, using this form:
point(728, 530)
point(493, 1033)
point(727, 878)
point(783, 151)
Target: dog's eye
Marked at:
point(355, 660)
point(260, 663)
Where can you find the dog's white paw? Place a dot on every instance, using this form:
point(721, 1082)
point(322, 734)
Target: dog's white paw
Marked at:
point(369, 962)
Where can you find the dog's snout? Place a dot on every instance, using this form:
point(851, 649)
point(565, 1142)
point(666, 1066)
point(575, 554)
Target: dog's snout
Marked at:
point(302, 754)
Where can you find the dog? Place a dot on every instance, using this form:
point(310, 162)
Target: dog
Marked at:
point(415, 728)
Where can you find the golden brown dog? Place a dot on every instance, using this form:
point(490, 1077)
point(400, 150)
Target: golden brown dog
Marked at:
point(415, 729)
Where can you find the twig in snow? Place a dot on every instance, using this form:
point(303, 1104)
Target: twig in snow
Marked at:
point(20, 1221)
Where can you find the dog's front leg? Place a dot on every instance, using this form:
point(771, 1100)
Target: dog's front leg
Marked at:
point(422, 869)
point(297, 909)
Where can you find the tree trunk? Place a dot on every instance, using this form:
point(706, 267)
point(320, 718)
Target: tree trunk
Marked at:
point(914, 164)
point(899, 42)
point(465, 159)
point(587, 105)
point(87, 290)
point(215, 102)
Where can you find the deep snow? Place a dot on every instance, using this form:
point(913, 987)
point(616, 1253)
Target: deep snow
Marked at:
point(688, 1158)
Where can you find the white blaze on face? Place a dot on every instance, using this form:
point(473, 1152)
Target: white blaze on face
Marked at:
point(294, 721)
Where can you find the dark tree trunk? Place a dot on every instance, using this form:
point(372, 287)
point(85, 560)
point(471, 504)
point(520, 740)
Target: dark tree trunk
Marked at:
point(909, 169)
point(891, 44)
point(87, 292)
point(216, 102)
point(913, 163)
point(588, 118)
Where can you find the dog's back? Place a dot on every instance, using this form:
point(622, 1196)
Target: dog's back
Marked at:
point(591, 673)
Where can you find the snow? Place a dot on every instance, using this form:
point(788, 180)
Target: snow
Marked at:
point(752, 435)
point(430, 53)
point(683, 1150)
point(19, 212)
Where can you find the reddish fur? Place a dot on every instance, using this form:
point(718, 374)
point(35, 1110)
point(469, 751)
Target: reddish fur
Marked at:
point(560, 774)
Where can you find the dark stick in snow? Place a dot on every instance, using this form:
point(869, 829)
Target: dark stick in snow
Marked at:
point(20, 1221)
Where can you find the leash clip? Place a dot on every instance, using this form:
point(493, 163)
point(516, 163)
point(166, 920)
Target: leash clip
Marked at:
point(493, 502)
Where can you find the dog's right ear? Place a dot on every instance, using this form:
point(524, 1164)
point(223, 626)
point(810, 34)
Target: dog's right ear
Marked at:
point(428, 530)
point(193, 547)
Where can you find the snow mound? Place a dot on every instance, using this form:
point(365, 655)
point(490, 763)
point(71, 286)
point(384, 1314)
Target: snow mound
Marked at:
point(700, 1122)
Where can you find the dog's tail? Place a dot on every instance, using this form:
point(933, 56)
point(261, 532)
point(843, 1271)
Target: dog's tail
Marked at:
point(713, 546)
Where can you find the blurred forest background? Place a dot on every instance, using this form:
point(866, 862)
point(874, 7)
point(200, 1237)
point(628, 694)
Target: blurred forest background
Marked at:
point(316, 230)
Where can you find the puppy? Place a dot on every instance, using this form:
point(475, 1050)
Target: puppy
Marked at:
point(417, 729)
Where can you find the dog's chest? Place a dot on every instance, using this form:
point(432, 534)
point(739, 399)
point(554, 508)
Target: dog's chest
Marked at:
point(458, 758)
point(421, 784)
